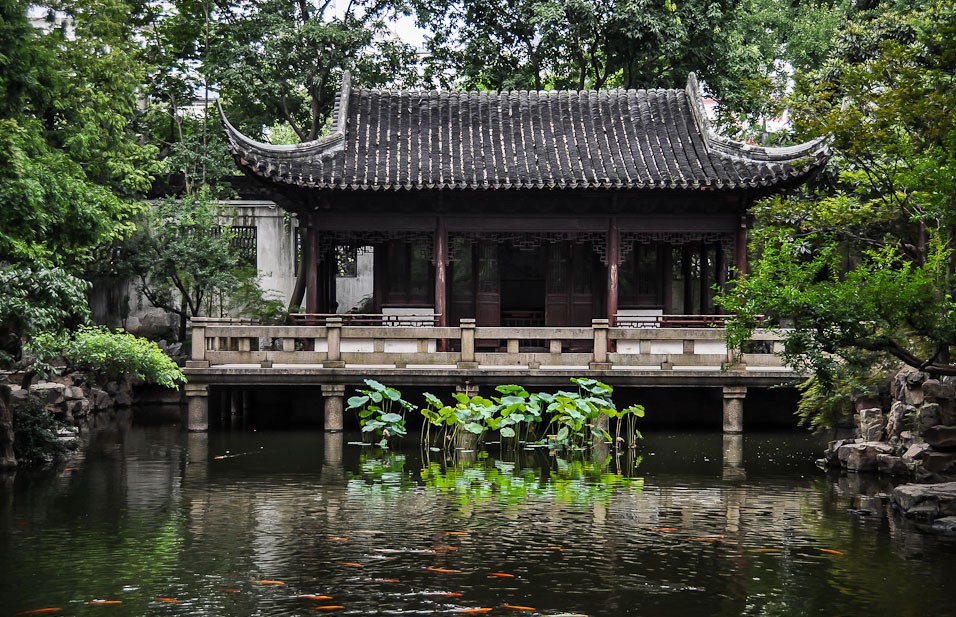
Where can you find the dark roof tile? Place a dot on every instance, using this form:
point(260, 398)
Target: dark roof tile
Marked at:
point(520, 140)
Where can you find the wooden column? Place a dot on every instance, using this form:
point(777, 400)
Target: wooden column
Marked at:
point(311, 249)
point(686, 255)
point(741, 246)
point(706, 280)
point(613, 262)
point(441, 260)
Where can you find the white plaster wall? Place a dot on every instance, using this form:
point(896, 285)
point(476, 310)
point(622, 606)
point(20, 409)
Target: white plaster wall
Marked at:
point(349, 290)
point(275, 243)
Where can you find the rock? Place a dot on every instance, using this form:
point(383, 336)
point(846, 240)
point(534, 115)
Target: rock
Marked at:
point(871, 424)
point(73, 393)
point(929, 416)
point(54, 392)
point(915, 452)
point(934, 391)
point(939, 462)
point(100, 399)
point(866, 402)
point(891, 465)
point(898, 418)
point(861, 457)
point(915, 378)
point(941, 437)
point(946, 524)
point(913, 395)
point(831, 455)
point(930, 501)
point(947, 413)
point(123, 398)
point(7, 458)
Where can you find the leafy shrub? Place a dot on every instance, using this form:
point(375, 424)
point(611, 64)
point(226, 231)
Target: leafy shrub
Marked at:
point(105, 355)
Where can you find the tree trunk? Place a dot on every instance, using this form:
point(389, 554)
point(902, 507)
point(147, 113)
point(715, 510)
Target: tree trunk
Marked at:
point(8, 459)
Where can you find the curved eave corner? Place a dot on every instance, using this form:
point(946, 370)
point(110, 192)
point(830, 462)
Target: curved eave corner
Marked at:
point(264, 159)
point(788, 162)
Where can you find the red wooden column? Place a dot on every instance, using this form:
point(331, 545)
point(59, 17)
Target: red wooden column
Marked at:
point(441, 261)
point(741, 246)
point(311, 249)
point(613, 261)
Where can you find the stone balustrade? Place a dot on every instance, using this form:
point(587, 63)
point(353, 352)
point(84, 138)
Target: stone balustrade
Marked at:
point(598, 347)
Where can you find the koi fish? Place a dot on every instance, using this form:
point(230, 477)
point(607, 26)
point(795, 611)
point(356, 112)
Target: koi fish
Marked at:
point(104, 602)
point(501, 574)
point(309, 596)
point(232, 590)
point(454, 533)
point(444, 547)
point(831, 551)
point(41, 611)
point(665, 529)
point(517, 607)
point(330, 607)
point(382, 580)
point(267, 581)
point(168, 600)
point(443, 570)
point(350, 564)
point(471, 610)
point(337, 539)
point(443, 594)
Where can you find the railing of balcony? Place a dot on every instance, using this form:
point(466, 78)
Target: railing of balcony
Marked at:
point(337, 343)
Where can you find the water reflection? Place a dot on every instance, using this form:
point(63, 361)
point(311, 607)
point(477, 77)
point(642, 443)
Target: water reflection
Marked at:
point(272, 523)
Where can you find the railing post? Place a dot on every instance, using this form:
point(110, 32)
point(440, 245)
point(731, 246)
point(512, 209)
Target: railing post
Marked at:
point(467, 360)
point(198, 355)
point(599, 361)
point(333, 337)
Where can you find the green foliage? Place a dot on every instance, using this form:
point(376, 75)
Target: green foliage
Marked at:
point(863, 266)
point(273, 59)
point(36, 440)
point(37, 299)
point(104, 356)
point(575, 417)
point(381, 410)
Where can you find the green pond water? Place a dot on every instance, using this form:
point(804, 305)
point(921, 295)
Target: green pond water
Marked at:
point(159, 522)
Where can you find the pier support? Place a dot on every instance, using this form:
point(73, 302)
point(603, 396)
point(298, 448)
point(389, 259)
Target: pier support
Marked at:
point(333, 396)
point(197, 407)
point(734, 409)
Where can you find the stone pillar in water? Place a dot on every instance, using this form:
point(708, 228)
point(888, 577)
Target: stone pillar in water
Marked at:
point(734, 409)
point(197, 407)
point(733, 461)
point(333, 396)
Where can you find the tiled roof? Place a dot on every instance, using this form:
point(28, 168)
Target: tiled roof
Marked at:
point(618, 139)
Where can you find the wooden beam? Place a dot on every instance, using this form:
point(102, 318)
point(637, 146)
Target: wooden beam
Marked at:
point(441, 260)
point(613, 262)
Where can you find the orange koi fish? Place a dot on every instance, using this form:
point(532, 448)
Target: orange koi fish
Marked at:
point(41, 611)
point(232, 590)
point(471, 610)
point(444, 547)
point(517, 607)
point(267, 581)
point(665, 529)
point(104, 602)
point(831, 551)
point(337, 539)
point(443, 594)
point(309, 596)
point(330, 607)
point(443, 570)
point(501, 574)
point(454, 533)
point(168, 600)
point(350, 564)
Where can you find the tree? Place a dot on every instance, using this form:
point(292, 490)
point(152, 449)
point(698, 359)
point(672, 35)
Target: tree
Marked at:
point(864, 265)
point(276, 59)
point(182, 257)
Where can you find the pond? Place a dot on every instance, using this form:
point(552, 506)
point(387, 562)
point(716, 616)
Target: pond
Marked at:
point(153, 521)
